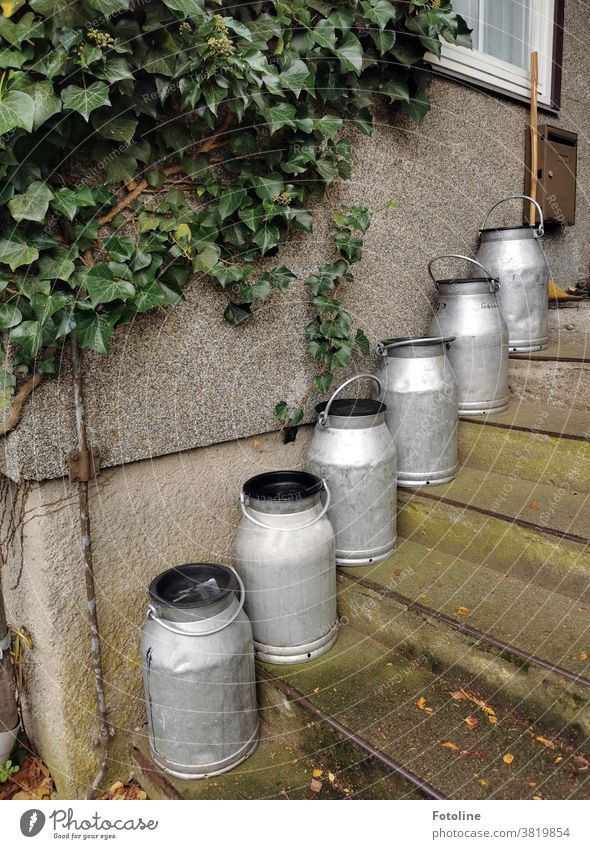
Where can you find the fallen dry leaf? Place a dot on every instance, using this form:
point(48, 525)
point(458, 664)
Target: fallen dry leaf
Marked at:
point(583, 655)
point(471, 722)
point(489, 711)
point(508, 758)
point(461, 611)
point(581, 762)
point(458, 695)
point(549, 743)
point(315, 786)
point(483, 782)
point(317, 773)
point(558, 759)
point(423, 706)
point(256, 443)
point(449, 745)
point(531, 781)
point(316, 690)
point(331, 777)
point(537, 798)
point(533, 505)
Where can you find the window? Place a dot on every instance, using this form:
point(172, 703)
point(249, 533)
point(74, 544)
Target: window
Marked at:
point(505, 32)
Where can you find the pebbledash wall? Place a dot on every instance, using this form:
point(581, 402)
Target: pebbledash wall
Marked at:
point(182, 411)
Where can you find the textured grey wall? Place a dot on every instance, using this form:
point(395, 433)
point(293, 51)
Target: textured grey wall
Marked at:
point(192, 380)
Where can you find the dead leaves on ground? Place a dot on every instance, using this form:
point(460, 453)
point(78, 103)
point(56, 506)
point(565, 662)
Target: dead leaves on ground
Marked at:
point(490, 713)
point(31, 783)
point(125, 792)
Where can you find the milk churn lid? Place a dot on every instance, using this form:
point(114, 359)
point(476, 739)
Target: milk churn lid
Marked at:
point(192, 585)
point(350, 407)
point(282, 486)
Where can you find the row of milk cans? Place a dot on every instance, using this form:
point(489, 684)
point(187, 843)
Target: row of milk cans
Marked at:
point(206, 622)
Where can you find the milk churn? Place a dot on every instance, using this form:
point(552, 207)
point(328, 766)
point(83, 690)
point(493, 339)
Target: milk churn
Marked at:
point(515, 256)
point(353, 450)
point(421, 398)
point(198, 671)
point(469, 311)
point(285, 554)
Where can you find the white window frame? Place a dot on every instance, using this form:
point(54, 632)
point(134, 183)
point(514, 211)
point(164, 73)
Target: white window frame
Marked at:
point(498, 75)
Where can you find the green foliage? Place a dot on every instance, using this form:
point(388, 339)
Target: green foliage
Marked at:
point(234, 121)
point(7, 770)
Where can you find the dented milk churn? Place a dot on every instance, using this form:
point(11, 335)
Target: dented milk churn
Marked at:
point(198, 671)
point(468, 310)
point(422, 408)
point(285, 554)
point(514, 255)
point(353, 450)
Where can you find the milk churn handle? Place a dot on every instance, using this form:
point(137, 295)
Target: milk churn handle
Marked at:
point(323, 416)
point(493, 281)
point(539, 231)
point(151, 614)
point(242, 500)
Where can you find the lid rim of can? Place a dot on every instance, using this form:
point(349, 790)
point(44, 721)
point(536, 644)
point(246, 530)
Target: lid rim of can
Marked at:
point(283, 485)
point(158, 585)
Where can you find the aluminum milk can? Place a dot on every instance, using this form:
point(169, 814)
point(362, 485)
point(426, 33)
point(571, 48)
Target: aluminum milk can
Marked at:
point(353, 451)
point(422, 408)
point(198, 671)
point(468, 310)
point(515, 256)
point(285, 554)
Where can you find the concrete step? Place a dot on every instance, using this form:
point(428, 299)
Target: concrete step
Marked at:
point(276, 770)
point(394, 706)
point(569, 322)
point(465, 615)
point(512, 525)
point(541, 443)
point(559, 376)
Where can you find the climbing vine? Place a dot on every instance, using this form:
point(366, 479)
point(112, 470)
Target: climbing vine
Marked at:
point(142, 140)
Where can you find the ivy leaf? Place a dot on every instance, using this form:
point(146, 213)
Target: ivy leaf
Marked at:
point(16, 254)
point(188, 7)
point(149, 297)
point(29, 336)
point(417, 107)
point(231, 273)
point(237, 313)
point(268, 187)
point(10, 316)
point(229, 201)
point(279, 116)
point(207, 258)
point(350, 53)
point(17, 109)
point(45, 306)
point(362, 343)
point(238, 28)
point(336, 328)
point(380, 12)
point(110, 7)
point(324, 304)
point(94, 331)
point(329, 125)
point(325, 34)
point(363, 121)
point(33, 204)
point(51, 268)
point(45, 101)
point(324, 381)
point(118, 128)
point(267, 237)
point(342, 356)
point(294, 77)
point(102, 286)
point(121, 248)
point(86, 100)
point(280, 278)
point(68, 201)
point(281, 410)
point(258, 291)
point(396, 89)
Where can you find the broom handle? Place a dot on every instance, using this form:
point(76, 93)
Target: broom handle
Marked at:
point(534, 137)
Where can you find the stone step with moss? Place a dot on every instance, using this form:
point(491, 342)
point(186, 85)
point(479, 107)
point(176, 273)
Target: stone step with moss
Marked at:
point(537, 442)
point(558, 376)
point(445, 727)
point(507, 523)
point(397, 603)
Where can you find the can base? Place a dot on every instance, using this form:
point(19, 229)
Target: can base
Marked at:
point(435, 479)
point(208, 770)
point(528, 346)
point(365, 558)
point(483, 409)
point(297, 654)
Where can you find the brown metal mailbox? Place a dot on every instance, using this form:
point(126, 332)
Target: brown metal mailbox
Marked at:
point(558, 159)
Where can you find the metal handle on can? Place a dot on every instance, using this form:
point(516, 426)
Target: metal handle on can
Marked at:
point(419, 341)
point(323, 416)
point(151, 614)
point(242, 501)
point(492, 280)
point(539, 231)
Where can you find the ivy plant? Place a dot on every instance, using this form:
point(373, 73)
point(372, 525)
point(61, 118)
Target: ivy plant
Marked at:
point(145, 140)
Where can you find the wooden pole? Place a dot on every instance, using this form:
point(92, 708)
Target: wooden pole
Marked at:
point(534, 136)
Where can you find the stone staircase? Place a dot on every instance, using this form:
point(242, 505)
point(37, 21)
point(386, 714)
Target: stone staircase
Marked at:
point(462, 668)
